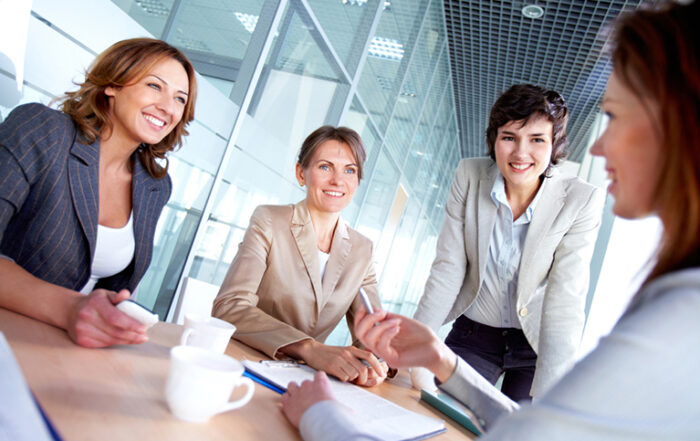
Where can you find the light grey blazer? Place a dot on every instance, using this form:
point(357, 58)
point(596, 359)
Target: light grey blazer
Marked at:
point(639, 384)
point(557, 250)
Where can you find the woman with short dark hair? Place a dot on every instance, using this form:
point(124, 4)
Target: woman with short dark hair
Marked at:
point(300, 267)
point(514, 251)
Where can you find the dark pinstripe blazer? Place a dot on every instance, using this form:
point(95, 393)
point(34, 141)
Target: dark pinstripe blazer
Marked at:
point(49, 200)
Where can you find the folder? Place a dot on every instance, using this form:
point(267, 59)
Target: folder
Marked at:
point(452, 409)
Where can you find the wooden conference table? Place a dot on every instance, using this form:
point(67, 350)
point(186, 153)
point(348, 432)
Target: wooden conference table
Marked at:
point(118, 393)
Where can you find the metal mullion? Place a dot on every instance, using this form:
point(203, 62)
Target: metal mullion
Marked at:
point(251, 68)
point(361, 62)
point(306, 14)
point(422, 107)
point(403, 70)
point(175, 12)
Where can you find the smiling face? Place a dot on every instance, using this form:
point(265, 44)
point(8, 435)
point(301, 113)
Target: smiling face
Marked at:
point(632, 150)
point(523, 152)
point(149, 109)
point(331, 177)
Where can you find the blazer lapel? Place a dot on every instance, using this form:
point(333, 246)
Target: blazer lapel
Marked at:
point(145, 193)
point(340, 250)
point(305, 238)
point(548, 206)
point(83, 177)
point(486, 216)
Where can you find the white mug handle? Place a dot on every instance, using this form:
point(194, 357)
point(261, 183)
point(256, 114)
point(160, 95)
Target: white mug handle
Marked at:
point(243, 401)
point(185, 336)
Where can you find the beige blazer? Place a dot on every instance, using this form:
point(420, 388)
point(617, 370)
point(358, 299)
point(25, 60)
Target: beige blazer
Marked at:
point(557, 251)
point(273, 292)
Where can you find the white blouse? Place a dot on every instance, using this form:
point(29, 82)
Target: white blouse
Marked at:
point(114, 251)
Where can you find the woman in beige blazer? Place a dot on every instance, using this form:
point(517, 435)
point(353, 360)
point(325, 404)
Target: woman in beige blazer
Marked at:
point(514, 251)
point(300, 267)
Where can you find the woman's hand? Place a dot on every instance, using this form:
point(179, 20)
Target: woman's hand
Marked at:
point(404, 342)
point(343, 362)
point(95, 321)
point(298, 399)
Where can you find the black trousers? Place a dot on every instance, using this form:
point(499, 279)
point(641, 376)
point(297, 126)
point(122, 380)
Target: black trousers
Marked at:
point(495, 351)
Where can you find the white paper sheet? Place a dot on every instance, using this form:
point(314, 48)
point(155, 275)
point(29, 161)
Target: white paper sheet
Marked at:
point(389, 421)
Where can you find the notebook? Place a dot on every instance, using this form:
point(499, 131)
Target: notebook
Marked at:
point(389, 421)
point(452, 409)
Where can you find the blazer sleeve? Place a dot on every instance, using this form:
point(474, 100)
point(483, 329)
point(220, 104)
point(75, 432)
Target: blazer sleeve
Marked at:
point(450, 264)
point(640, 383)
point(563, 309)
point(238, 299)
point(28, 133)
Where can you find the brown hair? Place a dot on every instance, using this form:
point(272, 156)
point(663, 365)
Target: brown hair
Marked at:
point(656, 55)
point(345, 135)
point(521, 102)
point(124, 63)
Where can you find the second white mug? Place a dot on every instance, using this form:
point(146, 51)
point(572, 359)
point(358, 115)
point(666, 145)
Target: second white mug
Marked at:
point(200, 383)
point(207, 332)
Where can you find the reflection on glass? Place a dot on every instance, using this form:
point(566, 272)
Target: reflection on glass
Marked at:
point(151, 14)
point(214, 35)
point(174, 234)
point(379, 198)
point(358, 120)
point(381, 78)
point(346, 24)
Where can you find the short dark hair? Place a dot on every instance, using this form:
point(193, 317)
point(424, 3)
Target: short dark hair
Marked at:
point(520, 103)
point(345, 135)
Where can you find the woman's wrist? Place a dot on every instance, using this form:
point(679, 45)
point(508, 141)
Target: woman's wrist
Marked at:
point(299, 350)
point(445, 363)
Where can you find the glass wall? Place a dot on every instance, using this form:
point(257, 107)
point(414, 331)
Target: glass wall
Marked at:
point(270, 72)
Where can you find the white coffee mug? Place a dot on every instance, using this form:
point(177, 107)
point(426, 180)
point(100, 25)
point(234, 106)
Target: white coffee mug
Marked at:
point(200, 383)
point(207, 332)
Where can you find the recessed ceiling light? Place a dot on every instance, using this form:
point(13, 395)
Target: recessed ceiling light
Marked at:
point(532, 11)
point(386, 48)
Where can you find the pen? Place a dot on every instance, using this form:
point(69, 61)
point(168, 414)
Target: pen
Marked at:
point(253, 376)
point(365, 301)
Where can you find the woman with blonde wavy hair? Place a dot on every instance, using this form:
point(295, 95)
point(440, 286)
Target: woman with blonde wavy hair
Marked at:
point(81, 190)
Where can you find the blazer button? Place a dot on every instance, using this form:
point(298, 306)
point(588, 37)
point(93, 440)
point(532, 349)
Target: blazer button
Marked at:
point(523, 311)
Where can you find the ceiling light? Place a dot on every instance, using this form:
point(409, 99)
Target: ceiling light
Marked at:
point(247, 20)
point(386, 48)
point(532, 11)
point(153, 7)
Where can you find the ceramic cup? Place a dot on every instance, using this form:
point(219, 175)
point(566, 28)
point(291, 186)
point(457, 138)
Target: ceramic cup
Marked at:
point(207, 332)
point(200, 383)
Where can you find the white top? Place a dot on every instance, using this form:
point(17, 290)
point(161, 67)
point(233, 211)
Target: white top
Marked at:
point(639, 384)
point(114, 251)
point(496, 303)
point(323, 261)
